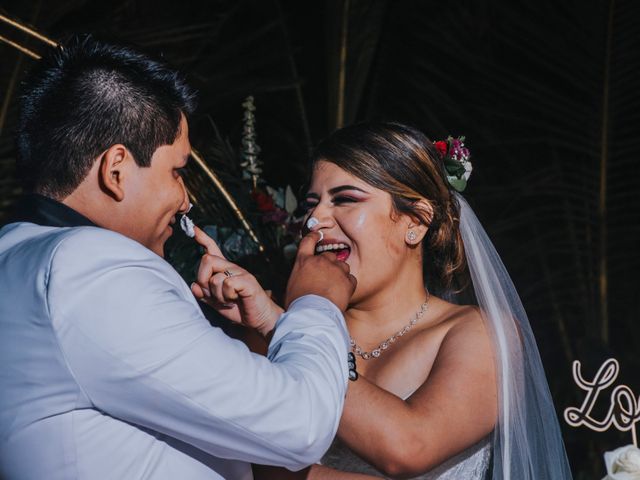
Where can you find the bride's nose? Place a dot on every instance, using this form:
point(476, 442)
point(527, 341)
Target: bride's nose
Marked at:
point(322, 215)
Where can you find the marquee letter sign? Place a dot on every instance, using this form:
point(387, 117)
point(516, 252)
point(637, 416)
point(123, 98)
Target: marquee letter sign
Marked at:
point(623, 410)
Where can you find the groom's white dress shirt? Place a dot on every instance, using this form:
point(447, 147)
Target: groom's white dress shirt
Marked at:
point(108, 369)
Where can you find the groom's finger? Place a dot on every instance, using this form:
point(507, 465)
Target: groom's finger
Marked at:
point(210, 265)
point(198, 291)
point(307, 247)
point(205, 296)
point(207, 242)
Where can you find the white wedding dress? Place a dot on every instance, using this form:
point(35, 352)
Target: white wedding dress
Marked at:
point(470, 464)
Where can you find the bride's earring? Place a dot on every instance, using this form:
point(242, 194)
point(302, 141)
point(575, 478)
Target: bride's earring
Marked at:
point(411, 237)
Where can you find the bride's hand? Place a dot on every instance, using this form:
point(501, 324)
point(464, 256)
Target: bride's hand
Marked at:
point(231, 290)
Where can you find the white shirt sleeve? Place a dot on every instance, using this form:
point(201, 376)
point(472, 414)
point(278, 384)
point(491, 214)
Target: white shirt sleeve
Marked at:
point(140, 350)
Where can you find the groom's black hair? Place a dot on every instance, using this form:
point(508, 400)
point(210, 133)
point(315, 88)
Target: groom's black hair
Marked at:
point(87, 96)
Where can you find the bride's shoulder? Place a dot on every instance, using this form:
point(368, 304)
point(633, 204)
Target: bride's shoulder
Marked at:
point(461, 324)
point(456, 316)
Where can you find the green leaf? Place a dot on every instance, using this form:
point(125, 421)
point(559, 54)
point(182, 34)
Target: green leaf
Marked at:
point(457, 183)
point(454, 167)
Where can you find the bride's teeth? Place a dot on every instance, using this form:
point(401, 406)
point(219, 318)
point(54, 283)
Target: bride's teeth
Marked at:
point(331, 246)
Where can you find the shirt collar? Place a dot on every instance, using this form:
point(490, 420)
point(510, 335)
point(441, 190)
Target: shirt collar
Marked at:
point(47, 212)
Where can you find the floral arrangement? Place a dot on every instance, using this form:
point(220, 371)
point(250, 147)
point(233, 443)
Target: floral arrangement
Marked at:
point(455, 157)
point(276, 208)
point(274, 213)
point(279, 211)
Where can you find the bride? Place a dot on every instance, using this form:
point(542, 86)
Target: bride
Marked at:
point(445, 389)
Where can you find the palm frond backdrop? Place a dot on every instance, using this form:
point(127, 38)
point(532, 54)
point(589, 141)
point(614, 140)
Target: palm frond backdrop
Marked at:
point(546, 93)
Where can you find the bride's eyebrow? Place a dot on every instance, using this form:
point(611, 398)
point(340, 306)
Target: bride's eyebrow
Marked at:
point(335, 190)
point(342, 188)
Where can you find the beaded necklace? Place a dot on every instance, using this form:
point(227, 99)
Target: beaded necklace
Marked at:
point(385, 344)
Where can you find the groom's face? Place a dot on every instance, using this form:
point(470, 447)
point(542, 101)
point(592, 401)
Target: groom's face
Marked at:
point(158, 194)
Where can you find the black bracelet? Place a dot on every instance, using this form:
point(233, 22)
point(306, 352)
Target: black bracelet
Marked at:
point(351, 363)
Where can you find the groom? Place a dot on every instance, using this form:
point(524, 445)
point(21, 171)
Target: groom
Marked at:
point(109, 369)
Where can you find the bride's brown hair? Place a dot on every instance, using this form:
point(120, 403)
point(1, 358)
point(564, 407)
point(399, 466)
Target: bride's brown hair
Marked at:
point(402, 161)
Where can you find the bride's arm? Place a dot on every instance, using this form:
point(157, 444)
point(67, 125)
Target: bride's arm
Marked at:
point(455, 408)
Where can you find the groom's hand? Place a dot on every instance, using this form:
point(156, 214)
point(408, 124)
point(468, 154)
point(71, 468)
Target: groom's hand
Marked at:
point(322, 275)
point(231, 290)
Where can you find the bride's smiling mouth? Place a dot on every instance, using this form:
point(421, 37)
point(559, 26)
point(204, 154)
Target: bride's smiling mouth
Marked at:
point(341, 249)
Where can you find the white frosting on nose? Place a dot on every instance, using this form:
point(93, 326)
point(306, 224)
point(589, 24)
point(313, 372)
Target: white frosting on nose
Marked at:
point(312, 222)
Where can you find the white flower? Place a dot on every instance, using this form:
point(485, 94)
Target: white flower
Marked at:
point(290, 201)
point(468, 168)
point(623, 463)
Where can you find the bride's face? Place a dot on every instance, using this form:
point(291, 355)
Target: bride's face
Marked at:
point(359, 224)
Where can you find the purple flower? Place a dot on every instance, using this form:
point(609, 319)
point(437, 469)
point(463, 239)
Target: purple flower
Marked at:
point(275, 216)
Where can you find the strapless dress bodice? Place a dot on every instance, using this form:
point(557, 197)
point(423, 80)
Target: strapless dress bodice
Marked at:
point(470, 464)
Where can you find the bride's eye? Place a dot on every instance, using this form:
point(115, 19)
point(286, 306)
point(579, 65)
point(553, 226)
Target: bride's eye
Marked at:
point(344, 199)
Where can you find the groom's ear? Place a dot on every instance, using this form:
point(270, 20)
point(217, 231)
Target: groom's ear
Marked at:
point(113, 166)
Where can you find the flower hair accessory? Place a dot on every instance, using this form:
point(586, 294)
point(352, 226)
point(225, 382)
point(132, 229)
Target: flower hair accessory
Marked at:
point(455, 157)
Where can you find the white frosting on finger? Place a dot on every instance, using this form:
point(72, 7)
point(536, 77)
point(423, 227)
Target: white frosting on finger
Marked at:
point(186, 224)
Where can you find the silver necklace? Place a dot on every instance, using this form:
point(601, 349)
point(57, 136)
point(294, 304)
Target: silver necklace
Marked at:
point(384, 345)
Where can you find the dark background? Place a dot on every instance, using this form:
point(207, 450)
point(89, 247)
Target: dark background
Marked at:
point(547, 94)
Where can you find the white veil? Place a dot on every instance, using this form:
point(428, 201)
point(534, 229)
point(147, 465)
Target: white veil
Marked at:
point(527, 443)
